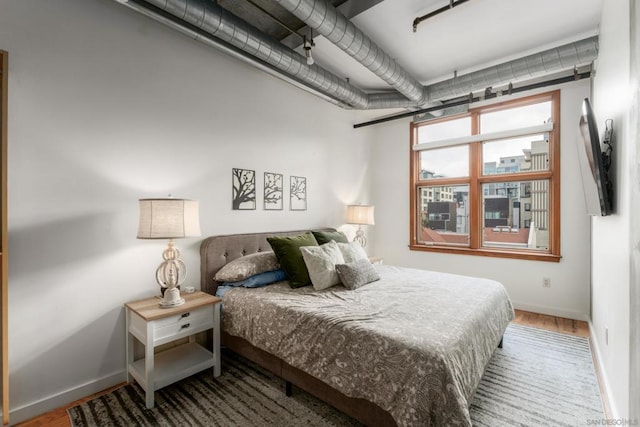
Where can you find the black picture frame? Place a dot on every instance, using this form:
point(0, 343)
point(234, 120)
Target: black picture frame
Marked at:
point(243, 189)
point(273, 199)
point(297, 193)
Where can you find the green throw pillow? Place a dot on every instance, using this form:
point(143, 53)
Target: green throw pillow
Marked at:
point(323, 237)
point(287, 250)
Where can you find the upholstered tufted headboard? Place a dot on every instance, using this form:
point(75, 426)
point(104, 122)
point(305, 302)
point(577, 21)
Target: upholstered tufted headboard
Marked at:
point(216, 251)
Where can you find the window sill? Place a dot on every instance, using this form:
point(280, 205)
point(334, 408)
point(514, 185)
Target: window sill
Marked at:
point(496, 253)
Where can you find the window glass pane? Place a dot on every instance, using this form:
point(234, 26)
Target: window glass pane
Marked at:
point(447, 162)
point(515, 118)
point(516, 214)
point(444, 130)
point(443, 215)
point(522, 154)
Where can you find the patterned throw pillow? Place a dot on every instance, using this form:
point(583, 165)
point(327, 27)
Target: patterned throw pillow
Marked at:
point(352, 252)
point(244, 267)
point(321, 263)
point(357, 273)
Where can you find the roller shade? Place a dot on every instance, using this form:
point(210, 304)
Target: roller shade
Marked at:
point(511, 133)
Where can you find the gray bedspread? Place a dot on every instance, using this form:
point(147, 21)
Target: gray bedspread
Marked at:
point(415, 343)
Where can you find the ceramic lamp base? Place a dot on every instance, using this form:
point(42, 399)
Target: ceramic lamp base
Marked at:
point(360, 237)
point(171, 298)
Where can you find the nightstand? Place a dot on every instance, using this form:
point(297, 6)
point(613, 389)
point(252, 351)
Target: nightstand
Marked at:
point(152, 325)
point(376, 260)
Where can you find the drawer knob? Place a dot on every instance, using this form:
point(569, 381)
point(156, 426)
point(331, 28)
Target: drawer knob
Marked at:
point(186, 325)
point(187, 314)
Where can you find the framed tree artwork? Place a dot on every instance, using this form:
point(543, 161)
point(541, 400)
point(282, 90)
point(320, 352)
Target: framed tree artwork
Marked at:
point(243, 189)
point(273, 194)
point(298, 193)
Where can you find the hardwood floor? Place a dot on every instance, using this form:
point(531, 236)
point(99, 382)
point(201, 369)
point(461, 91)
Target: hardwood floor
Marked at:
point(552, 323)
point(59, 418)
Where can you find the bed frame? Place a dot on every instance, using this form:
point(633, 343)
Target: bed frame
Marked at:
point(215, 252)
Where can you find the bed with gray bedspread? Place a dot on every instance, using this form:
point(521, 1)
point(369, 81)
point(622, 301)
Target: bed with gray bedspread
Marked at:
point(415, 343)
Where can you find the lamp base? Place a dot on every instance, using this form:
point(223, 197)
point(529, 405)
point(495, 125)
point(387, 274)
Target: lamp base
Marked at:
point(165, 304)
point(360, 237)
point(171, 298)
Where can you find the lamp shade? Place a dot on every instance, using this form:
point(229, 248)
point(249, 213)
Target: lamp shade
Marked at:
point(360, 214)
point(168, 218)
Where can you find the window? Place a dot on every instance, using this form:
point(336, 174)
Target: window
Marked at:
point(488, 182)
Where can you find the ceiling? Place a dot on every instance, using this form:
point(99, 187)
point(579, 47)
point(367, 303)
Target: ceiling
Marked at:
point(472, 35)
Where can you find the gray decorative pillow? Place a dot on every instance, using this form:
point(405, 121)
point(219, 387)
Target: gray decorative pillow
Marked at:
point(357, 273)
point(247, 266)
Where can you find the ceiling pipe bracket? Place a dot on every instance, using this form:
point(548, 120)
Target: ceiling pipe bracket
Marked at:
point(423, 18)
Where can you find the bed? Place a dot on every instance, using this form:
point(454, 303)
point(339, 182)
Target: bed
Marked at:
point(408, 349)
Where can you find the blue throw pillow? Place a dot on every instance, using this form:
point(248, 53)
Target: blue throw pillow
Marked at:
point(258, 280)
point(223, 290)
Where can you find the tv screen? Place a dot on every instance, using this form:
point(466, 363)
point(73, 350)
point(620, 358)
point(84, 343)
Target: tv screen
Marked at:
point(593, 165)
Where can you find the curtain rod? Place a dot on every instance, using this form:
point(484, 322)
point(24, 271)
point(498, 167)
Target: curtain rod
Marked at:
point(574, 77)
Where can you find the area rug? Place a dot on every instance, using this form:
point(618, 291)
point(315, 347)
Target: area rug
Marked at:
point(538, 378)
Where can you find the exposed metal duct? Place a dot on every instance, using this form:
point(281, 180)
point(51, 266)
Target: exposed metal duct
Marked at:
point(328, 21)
point(216, 22)
point(196, 34)
point(556, 59)
point(204, 21)
point(462, 104)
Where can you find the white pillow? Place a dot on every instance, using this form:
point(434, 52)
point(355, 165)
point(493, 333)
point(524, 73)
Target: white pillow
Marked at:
point(352, 251)
point(321, 262)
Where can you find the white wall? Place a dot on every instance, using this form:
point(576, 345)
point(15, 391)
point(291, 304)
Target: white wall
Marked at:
point(568, 295)
point(105, 107)
point(611, 235)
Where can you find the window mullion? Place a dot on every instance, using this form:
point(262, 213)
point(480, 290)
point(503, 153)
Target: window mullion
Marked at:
point(475, 167)
point(514, 177)
point(413, 186)
point(442, 182)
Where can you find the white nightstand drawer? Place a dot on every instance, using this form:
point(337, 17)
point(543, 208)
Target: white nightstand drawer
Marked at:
point(182, 318)
point(183, 323)
point(164, 328)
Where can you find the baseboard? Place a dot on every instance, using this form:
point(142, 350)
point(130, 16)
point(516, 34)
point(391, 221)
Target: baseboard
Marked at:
point(610, 410)
point(551, 311)
point(55, 401)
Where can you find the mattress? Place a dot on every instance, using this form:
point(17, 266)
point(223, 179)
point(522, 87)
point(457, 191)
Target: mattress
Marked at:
point(415, 343)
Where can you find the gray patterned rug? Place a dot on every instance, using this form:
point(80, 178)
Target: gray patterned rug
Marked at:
point(539, 378)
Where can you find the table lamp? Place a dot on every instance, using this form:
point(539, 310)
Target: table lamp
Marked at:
point(169, 219)
point(361, 215)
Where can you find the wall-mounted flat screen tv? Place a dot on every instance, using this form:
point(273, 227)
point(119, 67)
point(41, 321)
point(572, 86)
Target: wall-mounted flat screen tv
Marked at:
point(593, 165)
